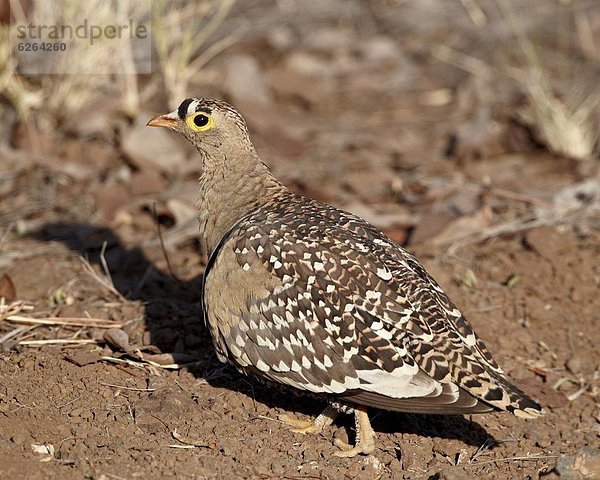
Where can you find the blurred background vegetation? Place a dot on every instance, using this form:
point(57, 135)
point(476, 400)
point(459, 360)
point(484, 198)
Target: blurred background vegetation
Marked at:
point(392, 109)
point(547, 52)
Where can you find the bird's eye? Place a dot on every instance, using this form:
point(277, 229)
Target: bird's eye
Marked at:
point(200, 122)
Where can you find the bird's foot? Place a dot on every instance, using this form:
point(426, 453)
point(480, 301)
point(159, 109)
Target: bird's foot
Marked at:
point(365, 437)
point(349, 451)
point(317, 425)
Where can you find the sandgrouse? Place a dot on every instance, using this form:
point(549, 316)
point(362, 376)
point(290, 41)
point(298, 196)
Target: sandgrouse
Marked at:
point(302, 294)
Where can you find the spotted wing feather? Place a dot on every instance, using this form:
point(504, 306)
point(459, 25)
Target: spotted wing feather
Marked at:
point(324, 302)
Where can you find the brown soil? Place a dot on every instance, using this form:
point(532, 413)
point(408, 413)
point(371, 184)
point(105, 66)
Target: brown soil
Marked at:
point(358, 140)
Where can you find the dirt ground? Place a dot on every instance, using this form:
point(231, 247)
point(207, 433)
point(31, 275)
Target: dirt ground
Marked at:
point(348, 103)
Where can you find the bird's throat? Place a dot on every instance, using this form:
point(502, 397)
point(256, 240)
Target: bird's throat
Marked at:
point(229, 190)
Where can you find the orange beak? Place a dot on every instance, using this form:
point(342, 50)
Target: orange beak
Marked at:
point(169, 120)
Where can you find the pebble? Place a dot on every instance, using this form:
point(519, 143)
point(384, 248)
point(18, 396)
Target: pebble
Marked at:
point(576, 364)
point(117, 339)
point(453, 473)
point(244, 81)
point(161, 150)
point(583, 465)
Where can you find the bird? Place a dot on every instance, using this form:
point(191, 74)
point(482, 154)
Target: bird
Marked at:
point(305, 296)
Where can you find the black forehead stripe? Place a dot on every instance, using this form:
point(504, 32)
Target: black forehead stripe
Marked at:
point(200, 108)
point(183, 108)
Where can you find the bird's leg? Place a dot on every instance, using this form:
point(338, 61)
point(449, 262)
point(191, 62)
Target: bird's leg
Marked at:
point(365, 436)
point(317, 425)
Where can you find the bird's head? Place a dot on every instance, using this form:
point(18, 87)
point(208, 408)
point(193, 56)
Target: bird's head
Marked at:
point(214, 127)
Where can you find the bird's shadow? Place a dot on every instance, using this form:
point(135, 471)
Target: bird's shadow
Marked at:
point(172, 312)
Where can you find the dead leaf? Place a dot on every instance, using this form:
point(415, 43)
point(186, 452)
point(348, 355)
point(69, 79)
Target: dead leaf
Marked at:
point(7, 288)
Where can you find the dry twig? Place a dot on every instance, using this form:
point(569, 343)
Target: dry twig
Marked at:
point(133, 389)
point(512, 459)
point(105, 282)
point(57, 341)
point(190, 443)
point(66, 321)
point(162, 243)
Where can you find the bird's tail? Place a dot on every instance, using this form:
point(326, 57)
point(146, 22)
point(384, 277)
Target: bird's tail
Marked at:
point(504, 395)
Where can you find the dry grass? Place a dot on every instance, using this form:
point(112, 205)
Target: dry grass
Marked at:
point(180, 31)
point(23, 96)
point(533, 457)
point(105, 279)
point(65, 321)
point(562, 121)
point(567, 129)
point(54, 98)
point(522, 224)
point(565, 125)
point(12, 313)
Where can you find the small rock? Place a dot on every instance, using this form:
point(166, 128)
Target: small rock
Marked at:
point(83, 358)
point(117, 339)
point(281, 38)
point(159, 149)
point(244, 81)
point(331, 40)
point(576, 364)
point(543, 442)
point(380, 48)
point(454, 473)
point(583, 465)
point(45, 451)
point(307, 64)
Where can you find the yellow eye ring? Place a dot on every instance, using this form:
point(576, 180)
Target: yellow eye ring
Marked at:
point(200, 121)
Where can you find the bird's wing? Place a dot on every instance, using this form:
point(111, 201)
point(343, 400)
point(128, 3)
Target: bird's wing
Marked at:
point(337, 308)
point(441, 340)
